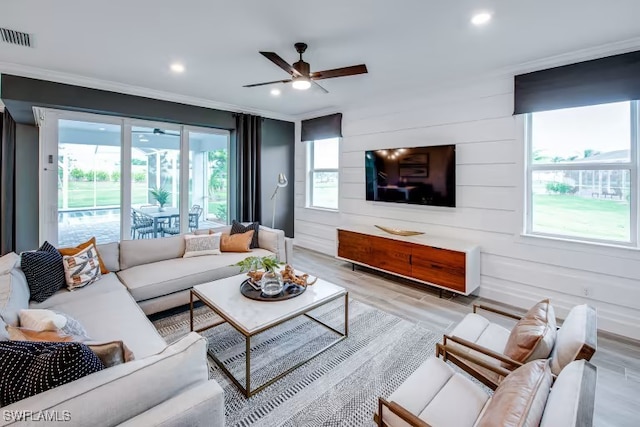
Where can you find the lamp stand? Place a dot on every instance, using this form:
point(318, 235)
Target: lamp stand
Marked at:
point(275, 199)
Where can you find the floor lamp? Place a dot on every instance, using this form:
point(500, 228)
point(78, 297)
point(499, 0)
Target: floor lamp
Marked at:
point(282, 182)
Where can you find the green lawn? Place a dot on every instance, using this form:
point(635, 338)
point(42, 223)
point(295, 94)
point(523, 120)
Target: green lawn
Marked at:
point(81, 194)
point(581, 216)
point(108, 194)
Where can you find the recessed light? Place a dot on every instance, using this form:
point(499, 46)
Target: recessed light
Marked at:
point(275, 92)
point(481, 18)
point(144, 140)
point(102, 129)
point(177, 67)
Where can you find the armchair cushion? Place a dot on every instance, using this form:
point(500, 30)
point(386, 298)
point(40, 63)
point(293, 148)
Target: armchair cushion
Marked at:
point(521, 397)
point(576, 338)
point(534, 335)
point(571, 401)
point(434, 393)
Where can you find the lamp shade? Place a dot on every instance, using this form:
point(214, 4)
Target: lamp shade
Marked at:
point(282, 180)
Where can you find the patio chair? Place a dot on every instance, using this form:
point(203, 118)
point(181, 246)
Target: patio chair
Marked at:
point(172, 229)
point(194, 216)
point(141, 226)
point(534, 336)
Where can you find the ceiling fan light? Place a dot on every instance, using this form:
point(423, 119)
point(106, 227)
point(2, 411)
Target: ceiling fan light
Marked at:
point(301, 83)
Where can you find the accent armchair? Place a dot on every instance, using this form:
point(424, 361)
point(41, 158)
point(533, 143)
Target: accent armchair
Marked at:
point(534, 336)
point(436, 396)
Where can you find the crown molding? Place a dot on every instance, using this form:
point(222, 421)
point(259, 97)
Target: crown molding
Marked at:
point(77, 80)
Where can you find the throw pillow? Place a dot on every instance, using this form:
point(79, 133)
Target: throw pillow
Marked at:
point(82, 269)
point(52, 320)
point(236, 242)
point(208, 244)
point(25, 334)
point(29, 368)
point(41, 320)
point(44, 271)
point(534, 336)
point(80, 247)
point(238, 228)
point(520, 398)
point(111, 353)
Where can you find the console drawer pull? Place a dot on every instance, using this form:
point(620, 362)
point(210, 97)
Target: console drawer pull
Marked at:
point(436, 266)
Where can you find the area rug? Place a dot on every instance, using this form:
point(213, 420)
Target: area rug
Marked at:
point(340, 387)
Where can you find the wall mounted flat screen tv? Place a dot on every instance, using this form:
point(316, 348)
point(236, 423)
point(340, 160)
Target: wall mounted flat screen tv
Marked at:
point(419, 175)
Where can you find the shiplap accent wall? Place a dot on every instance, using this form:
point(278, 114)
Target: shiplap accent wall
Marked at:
point(490, 179)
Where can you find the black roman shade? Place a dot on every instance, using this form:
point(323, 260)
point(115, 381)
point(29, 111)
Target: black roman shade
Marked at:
point(599, 81)
point(322, 127)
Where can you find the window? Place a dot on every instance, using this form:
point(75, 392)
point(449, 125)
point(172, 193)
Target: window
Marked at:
point(582, 167)
point(322, 182)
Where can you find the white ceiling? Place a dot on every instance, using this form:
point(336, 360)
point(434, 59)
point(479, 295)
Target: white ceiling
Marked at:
point(405, 43)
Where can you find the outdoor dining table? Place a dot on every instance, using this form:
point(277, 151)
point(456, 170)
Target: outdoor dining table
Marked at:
point(156, 215)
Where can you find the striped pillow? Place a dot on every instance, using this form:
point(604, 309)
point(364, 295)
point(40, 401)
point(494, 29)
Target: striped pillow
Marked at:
point(82, 269)
point(238, 228)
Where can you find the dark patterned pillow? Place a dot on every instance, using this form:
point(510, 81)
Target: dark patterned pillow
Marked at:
point(44, 271)
point(238, 228)
point(29, 368)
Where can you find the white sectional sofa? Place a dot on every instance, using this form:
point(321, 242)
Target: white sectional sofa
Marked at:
point(166, 384)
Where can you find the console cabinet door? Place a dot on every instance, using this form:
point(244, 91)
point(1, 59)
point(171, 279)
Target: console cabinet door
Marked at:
point(439, 266)
point(354, 246)
point(391, 255)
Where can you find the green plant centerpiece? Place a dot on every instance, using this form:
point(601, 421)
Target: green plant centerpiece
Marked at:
point(161, 195)
point(263, 271)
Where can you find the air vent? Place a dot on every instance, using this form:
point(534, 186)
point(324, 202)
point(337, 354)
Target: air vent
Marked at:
point(15, 37)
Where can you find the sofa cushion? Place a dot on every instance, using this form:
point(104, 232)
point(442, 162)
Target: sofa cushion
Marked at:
point(119, 393)
point(74, 251)
point(44, 271)
point(8, 261)
point(273, 241)
point(238, 228)
point(433, 392)
point(14, 295)
point(571, 401)
point(240, 242)
point(173, 275)
point(30, 368)
point(147, 251)
point(114, 316)
point(577, 338)
point(201, 245)
point(107, 283)
point(110, 255)
point(534, 336)
point(520, 398)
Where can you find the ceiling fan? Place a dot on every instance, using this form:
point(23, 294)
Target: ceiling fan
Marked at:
point(301, 75)
point(158, 131)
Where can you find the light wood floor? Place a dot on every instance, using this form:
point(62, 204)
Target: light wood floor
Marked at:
point(617, 359)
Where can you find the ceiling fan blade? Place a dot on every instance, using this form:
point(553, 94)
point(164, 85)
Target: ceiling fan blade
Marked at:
point(339, 72)
point(321, 88)
point(268, 83)
point(275, 58)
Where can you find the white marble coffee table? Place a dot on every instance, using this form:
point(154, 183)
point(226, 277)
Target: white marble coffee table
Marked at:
point(250, 317)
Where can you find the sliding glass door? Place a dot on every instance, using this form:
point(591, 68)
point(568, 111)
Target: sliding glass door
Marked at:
point(124, 179)
point(88, 181)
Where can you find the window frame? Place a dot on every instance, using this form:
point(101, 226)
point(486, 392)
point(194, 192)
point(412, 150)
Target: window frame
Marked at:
point(311, 171)
point(632, 166)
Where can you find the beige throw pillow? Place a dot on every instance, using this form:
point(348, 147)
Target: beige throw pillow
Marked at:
point(207, 244)
point(42, 320)
point(534, 336)
point(236, 242)
point(111, 353)
point(81, 269)
point(520, 398)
